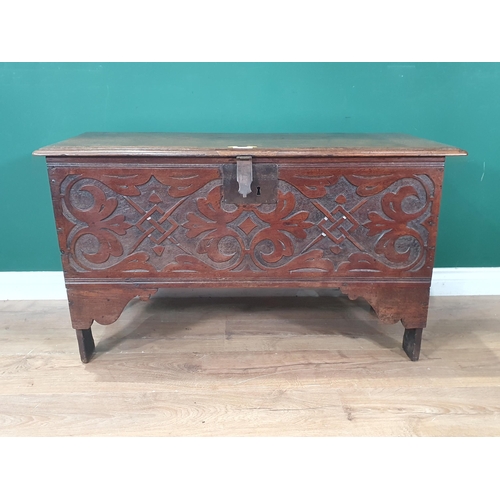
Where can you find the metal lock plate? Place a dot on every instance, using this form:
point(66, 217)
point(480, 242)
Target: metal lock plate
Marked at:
point(258, 181)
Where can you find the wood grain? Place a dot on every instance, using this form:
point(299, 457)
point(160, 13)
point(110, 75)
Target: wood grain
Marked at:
point(258, 145)
point(136, 213)
point(279, 366)
point(365, 227)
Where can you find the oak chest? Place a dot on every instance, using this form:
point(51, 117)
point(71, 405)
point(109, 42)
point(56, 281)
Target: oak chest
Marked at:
point(140, 212)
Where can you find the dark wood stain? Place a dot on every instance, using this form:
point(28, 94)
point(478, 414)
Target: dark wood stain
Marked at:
point(138, 212)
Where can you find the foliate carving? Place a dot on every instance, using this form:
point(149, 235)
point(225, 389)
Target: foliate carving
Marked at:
point(173, 222)
point(267, 238)
point(308, 181)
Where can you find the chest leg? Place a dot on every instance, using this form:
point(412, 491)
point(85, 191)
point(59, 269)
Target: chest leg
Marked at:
point(86, 344)
point(412, 339)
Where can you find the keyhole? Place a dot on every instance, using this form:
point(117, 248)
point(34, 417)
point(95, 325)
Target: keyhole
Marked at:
point(258, 190)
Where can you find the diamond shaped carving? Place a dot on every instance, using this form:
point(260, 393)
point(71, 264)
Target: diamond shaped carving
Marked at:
point(247, 226)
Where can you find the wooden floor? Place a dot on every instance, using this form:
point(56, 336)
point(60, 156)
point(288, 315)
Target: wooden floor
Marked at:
point(286, 366)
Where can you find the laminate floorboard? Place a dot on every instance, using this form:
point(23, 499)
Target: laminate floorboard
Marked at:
point(269, 366)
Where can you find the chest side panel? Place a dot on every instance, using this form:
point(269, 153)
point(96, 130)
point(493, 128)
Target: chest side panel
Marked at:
point(332, 220)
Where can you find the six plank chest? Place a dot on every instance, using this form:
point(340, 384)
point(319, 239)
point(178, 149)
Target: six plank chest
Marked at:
point(139, 212)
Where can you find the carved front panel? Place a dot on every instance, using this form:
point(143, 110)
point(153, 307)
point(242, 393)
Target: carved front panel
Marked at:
point(171, 223)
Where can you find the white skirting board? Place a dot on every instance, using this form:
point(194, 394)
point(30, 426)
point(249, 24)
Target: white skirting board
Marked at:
point(49, 285)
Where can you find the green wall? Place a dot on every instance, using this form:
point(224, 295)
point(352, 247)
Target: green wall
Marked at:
point(458, 104)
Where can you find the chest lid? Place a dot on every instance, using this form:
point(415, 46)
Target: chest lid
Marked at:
point(256, 145)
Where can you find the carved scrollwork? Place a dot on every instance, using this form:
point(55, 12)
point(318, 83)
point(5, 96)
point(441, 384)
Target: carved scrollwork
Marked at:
point(173, 222)
point(99, 223)
point(271, 243)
